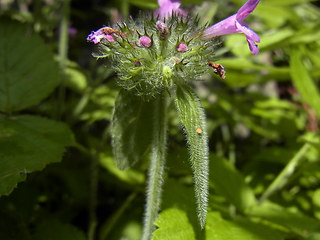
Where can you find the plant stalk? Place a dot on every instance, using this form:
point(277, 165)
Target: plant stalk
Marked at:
point(282, 179)
point(63, 53)
point(156, 168)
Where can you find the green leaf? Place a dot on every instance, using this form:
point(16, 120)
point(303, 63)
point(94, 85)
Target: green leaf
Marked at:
point(131, 129)
point(29, 143)
point(177, 220)
point(294, 221)
point(130, 176)
point(284, 176)
point(316, 203)
point(303, 81)
point(174, 225)
point(230, 183)
point(75, 78)
point(218, 228)
point(55, 230)
point(192, 117)
point(28, 72)
point(12, 227)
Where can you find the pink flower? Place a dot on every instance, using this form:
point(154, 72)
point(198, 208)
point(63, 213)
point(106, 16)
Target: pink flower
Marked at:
point(167, 8)
point(236, 24)
point(102, 33)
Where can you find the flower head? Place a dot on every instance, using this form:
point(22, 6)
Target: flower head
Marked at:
point(167, 8)
point(236, 24)
point(168, 47)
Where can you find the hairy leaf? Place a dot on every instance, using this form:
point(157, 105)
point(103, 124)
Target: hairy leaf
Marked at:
point(28, 72)
point(29, 143)
point(131, 128)
point(192, 118)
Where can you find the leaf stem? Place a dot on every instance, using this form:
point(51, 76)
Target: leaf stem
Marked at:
point(156, 168)
point(63, 52)
point(283, 177)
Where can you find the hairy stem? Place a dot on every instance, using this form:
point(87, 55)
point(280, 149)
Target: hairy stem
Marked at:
point(156, 167)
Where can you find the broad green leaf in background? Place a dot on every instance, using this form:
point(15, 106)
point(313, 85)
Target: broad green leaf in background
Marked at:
point(56, 230)
point(303, 81)
point(11, 228)
point(218, 228)
point(192, 118)
point(131, 128)
point(230, 184)
point(129, 176)
point(27, 144)
point(296, 222)
point(75, 77)
point(28, 72)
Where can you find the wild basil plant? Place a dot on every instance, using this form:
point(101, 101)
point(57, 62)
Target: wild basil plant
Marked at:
point(157, 57)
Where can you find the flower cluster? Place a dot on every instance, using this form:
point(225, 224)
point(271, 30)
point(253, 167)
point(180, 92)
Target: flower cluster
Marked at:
point(167, 47)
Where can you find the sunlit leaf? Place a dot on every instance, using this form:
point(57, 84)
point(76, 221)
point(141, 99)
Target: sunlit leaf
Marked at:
point(303, 81)
point(218, 228)
point(174, 225)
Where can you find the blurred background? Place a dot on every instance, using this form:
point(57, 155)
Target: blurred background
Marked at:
point(263, 125)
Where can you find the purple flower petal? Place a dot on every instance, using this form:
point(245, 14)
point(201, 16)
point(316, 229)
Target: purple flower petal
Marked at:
point(236, 24)
point(97, 36)
point(246, 9)
point(167, 7)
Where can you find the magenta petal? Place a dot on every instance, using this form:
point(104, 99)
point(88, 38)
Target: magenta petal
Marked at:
point(97, 36)
point(223, 27)
point(244, 28)
point(167, 7)
point(253, 47)
point(246, 9)
point(236, 24)
point(165, 2)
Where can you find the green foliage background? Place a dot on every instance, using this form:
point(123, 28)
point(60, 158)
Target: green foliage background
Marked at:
point(58, 179)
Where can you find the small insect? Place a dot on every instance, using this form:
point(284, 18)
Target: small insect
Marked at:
point(218, 69)
point(110, 31)
point(199, 130)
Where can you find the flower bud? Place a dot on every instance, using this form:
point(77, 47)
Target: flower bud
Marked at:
point(163, 29)
point(145, 41)
point(182, 47)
